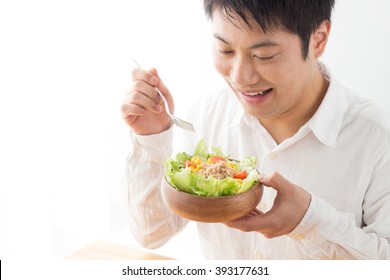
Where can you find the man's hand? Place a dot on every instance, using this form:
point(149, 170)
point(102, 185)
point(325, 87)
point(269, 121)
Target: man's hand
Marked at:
point(143, 109)
point(289, 207)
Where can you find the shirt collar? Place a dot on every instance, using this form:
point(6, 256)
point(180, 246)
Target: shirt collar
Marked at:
point(326, 122)
point(238, 116)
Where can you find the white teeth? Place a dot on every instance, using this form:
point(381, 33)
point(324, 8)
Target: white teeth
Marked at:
point(257, 93)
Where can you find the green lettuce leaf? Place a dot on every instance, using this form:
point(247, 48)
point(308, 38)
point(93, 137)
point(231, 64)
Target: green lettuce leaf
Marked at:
point(201, 150)
point(182, 178)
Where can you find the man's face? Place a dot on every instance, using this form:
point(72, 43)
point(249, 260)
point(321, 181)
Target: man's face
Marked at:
point(266, 71)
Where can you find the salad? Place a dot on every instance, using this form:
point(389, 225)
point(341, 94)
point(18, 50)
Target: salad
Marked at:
point(210, 174)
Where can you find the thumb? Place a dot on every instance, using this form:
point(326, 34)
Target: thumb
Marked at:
point(275, 181)
point(154, 72)
point(160, 82)
point(164, 90)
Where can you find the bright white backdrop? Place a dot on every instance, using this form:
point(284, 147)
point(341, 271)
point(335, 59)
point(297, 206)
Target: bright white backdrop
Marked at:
point(64, 68)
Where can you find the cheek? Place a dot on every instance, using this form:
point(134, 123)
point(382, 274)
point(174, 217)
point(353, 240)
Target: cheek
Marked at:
point(294, 74)
point(221, 65)
point(285, 73)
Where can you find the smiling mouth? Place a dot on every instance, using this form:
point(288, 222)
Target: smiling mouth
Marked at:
point(261, 93)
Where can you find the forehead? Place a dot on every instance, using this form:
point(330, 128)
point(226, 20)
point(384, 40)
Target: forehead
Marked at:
point(246, 21)
point(226, 18)
point(232, 27)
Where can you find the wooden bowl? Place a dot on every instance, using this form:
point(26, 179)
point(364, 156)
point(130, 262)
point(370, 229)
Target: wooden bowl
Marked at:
point(211, 209)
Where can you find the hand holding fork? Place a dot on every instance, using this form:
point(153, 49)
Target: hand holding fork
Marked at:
point(142, 108)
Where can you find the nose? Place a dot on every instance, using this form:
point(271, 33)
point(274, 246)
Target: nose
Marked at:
point(243, 72)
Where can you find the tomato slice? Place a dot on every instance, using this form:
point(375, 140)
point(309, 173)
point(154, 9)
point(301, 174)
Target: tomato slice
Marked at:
point(216, 159)
point(189, 163)
point(240, 175)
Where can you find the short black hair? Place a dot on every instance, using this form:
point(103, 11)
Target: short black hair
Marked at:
point(301, 17)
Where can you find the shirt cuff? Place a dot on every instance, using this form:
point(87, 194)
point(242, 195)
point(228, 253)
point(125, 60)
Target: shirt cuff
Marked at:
point(316, 227)
point(155, 147)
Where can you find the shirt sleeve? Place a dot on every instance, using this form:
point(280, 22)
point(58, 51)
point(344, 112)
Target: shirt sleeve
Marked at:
point(151, 222)
point(325, 233)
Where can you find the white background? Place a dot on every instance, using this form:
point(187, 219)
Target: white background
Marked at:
point(64, 69)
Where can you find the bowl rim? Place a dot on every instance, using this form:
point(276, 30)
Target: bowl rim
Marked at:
point(258, 184)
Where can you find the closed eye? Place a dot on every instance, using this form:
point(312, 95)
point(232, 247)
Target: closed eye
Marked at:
point(264, 58)
point(225, 52)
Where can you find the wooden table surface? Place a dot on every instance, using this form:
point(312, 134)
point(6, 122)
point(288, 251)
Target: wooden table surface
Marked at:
point(106, 250)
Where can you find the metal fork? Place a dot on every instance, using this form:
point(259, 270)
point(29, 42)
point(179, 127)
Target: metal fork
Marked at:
point(179, 122)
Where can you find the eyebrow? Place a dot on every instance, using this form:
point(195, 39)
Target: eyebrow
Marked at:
point(266, 43)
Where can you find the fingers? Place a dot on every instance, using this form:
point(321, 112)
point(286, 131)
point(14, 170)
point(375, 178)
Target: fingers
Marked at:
point(288, 209)
point(276, 181)
point(286, 189)
point(256, 212)
point(146, 76)
point(164, 90)
point(146, 82)
point(245, 223)
point(132, 110)
point(137, 103)
point(142, 96)
point(266, 224)
point(143, 109)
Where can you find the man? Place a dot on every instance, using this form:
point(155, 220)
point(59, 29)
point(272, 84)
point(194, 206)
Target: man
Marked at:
point(323, 152)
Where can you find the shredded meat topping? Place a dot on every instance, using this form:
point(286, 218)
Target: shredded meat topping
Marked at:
point(219, 170)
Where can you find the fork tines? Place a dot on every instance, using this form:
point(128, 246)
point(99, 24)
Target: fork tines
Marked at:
point(183, 124)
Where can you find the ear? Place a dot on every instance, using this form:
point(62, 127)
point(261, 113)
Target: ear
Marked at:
point(319, 38)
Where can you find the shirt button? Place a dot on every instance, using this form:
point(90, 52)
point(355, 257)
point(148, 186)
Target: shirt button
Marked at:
point(258, 256)
point(272, 156)
point(262, 206)
point(299, 236)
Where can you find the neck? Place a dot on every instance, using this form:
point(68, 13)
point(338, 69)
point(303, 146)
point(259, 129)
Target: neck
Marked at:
point(288, 124)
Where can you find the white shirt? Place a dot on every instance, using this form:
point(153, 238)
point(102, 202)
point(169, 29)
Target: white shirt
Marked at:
point(341, 156)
